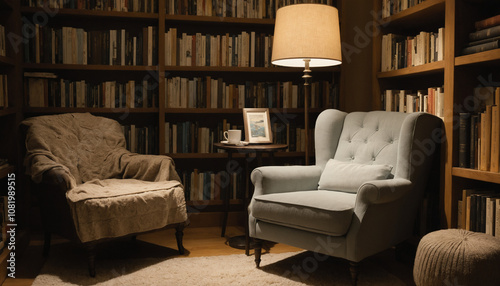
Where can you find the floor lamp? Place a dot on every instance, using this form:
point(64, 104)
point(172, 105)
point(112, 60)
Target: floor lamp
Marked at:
point(306, 35)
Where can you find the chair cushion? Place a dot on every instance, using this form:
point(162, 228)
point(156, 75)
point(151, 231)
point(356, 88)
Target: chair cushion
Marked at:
point(319, 211)
point(117, 207)
point(348, 176)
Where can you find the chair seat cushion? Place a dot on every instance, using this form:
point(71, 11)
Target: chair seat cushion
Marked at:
point(320, 211)
point(117, 207)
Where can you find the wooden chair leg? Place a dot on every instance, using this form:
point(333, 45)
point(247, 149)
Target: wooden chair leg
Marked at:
point(46, 243)
point(354, 269)
point(91, 259)
point(258, 251)
point(179, 233)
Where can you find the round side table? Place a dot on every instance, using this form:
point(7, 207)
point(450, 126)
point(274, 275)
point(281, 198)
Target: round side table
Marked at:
point(258, 150)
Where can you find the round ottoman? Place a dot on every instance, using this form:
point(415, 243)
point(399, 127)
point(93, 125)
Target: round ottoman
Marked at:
point(457, 257)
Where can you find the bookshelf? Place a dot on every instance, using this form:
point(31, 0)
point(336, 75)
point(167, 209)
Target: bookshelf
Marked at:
point(459, 75)
point(161, 115)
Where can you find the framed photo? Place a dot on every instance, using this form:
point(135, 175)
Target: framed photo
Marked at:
point(257, 125)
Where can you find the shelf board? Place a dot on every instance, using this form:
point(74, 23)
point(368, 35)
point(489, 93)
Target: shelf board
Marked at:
point(429, 9)
point(7, 111)
point(6, 61)
point(476, 175)
point(56, 67)
point(218, 20)
point(488, 57)
point(430, 68)
point(7, 170)
point(50, 110)
point(236, 110)
point(84, 13)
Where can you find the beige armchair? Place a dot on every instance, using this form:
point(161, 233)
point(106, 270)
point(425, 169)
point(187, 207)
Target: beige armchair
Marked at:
point(92, 189)
point(362, 195)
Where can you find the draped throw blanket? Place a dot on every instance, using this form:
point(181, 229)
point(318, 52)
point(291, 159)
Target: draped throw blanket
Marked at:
point(104, 179)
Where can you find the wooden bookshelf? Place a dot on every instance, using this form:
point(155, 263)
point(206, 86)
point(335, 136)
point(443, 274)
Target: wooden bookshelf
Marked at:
point(161, 72)
point(458, 74)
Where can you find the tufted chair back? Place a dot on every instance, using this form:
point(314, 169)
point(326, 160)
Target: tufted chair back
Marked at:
point(377, 138)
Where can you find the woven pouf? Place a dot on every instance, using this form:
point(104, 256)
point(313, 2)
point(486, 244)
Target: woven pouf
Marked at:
point(457, 257)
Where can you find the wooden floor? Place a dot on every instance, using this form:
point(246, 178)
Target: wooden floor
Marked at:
point(201, 241)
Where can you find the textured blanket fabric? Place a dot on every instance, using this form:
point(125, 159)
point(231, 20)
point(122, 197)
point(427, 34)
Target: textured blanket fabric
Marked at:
point(92, 152)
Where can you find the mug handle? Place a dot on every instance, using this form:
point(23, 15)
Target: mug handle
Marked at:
point(225, 135)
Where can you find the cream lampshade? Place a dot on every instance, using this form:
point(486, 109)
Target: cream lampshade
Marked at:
point(307, 35)
point(307, 31)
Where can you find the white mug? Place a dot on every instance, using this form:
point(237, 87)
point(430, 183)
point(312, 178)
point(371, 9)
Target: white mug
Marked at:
point(233, 136)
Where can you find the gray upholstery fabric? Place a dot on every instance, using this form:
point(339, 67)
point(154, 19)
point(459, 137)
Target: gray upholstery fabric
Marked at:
point(384, 210)
point(307, 210)
point(348, 177)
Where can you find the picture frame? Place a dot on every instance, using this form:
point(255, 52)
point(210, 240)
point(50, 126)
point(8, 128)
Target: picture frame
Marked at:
point(257, 126)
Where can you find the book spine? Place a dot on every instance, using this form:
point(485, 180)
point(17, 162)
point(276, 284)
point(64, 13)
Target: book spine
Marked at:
point(464, 140)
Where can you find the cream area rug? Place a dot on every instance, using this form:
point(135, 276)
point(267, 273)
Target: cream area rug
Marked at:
point(66, 265)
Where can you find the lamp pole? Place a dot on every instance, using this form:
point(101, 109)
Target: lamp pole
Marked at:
point(307, 90)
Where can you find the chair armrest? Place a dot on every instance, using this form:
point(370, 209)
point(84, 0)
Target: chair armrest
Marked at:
point(153, 168)
point(382, 191)
point(279, 179)
point(57, 179)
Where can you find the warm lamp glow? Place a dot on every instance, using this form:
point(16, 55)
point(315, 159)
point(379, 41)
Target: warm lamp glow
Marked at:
point(307, 31)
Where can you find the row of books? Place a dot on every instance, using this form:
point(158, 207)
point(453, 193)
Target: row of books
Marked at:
point(260, 9)
point(58, 92)
point(479, 211)
point(141, 139)
point(146, 6)
point(238, 50)
point(479, 133)
point(68, 45)
point(2, 40)
point(486, 37)
point(400, 52)
point(391, 7)
point(430, 100)
point(208, 185)
point(193, 137)
point(4, 94)
point(207, 92)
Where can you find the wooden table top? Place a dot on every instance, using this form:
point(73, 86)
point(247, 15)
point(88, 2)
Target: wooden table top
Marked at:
point(251, 147)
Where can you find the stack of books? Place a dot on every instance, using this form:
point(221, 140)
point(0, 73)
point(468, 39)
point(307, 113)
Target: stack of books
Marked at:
point(208, 185)
point(391, 7)
point(141, 139)
point(486, 37)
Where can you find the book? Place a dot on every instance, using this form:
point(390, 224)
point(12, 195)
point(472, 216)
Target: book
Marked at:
point(464, 140)
point(487, 23)
point(497, 218)
point(495, 139)
point(485, 33)
point(494, 44)
point(485, 139)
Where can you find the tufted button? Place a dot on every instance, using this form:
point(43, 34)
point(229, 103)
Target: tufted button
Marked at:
point(373, 158)
point(366, 141)
point(376, 129)
point(352, 157)
point(391, 141)
point(349, 140)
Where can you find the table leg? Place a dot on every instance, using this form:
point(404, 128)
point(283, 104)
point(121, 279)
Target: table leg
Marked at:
point(227, 190)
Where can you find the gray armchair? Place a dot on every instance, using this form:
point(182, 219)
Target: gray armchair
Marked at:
point(362, 195)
